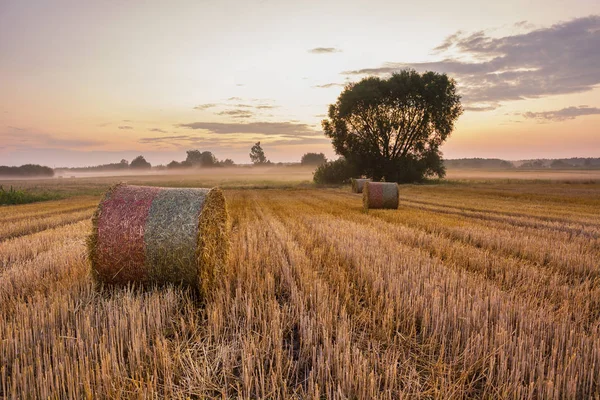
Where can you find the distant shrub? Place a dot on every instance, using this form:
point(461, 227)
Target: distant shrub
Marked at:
point(140, 163)
point(27, 170)
point(13, 196)
point(313, 159)
point(338, 171)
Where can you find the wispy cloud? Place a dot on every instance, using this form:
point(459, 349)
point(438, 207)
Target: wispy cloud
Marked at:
point(205, 106)
point(158, 130)
point(237, 113)
point(324, 50)
point(559, 59)
point(259, 104)
point(162, 139)
point(562, 114)
point(265, 128)
point(125, 127)
point(482, 108)
point(329, 85)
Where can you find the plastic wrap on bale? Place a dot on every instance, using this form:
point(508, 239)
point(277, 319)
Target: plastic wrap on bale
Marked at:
point(155, 236)
point(359, 184)
point(380, 195)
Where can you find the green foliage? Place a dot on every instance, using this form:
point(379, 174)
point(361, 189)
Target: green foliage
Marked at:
point(13, 196)
point(140, 163)
point(27, 170)
point(257, 155)
point(560, 164)
point(205, 159)
point(313, 159)
point(334, 172)
point(393, 128)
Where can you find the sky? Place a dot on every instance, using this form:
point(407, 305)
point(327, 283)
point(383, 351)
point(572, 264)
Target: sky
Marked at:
point(90, 82)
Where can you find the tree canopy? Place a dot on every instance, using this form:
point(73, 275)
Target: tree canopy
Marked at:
point(140, 163)
point(27, 170)
point(313, 159)
point(257, 155)
point(393, 128)
point(201, 159)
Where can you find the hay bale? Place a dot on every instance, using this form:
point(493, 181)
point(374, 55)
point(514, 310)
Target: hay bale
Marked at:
point(380, 195)
point(359, 184)
point(152, 235)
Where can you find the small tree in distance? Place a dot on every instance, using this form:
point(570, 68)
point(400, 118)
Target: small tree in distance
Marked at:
point(313, 159)
point(202, 159)
point(140, 163)
point(257, 155)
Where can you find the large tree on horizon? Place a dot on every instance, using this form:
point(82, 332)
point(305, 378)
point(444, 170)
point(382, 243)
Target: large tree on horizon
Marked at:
point(393, 128)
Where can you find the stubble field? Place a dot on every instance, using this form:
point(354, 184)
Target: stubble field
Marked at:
point(473, 289)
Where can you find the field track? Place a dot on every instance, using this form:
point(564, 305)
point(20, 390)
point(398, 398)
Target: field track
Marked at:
point(472, 291)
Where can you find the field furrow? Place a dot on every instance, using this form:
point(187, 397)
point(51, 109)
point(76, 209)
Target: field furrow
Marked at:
point(25, 248)
point(458, 293)
point(31, 226)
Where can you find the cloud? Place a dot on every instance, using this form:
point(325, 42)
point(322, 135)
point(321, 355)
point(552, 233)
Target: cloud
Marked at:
point(263, 105)
point(265, 128)
point(157, 130)
point(205, 106)
point(329, 85)
point(480, 108)
point(324, 50)
point(125, 127)
point(14, 128)
point(562, 114)
point(559, 59)
point(167, 139)
point(237, 113)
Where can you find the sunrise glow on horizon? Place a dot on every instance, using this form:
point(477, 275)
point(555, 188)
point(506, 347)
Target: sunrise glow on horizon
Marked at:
point(84, 83)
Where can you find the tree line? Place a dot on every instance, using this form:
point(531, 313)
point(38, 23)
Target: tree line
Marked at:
point(26, 171)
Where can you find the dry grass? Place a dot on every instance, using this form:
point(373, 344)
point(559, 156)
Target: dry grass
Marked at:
point(485, 290)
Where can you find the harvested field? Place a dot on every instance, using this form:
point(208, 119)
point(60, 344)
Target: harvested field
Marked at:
point(470, 290)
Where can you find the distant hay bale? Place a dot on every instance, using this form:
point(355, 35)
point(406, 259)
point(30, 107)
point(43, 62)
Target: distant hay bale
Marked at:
point(152, 235)
point(380, 195)
point(359, 184)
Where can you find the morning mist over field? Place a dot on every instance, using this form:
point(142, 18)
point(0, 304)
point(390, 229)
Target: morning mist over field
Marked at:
point(86, 83)
point(274, 199)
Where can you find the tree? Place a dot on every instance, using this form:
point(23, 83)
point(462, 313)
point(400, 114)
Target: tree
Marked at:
point(202, 159)
point(313, 159)
point(257, 155)
point(394, 128)
point(338, 171)
point(173, 165)
point(140, 163)
point(228, 162)
point(560, 164)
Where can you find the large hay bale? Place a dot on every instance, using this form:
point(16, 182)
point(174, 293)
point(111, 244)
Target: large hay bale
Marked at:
point(152, 235)
point(380, 195)
point(359, 184)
